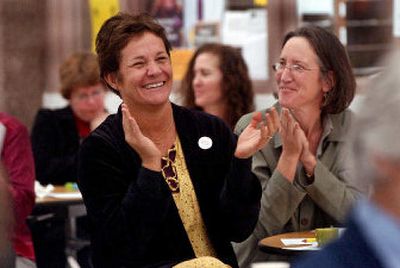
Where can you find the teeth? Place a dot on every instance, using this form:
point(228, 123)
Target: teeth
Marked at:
point(154, 85)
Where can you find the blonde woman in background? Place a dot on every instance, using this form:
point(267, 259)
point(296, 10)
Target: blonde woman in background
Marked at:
point(57, 134)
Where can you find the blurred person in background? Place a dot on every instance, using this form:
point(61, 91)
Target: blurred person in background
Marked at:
point(7, 255)
point(372, 235)
point(305, 171)
point(57, 134)
point(217, 82)
point(18, 166)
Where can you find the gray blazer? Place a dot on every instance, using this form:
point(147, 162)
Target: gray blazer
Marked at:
point(299, 206)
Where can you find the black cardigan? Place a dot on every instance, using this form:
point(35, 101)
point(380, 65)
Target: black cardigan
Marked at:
point(135, 220)
point(55, 144)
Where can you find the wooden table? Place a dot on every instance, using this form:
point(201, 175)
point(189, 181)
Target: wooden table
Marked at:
point(50, 200)
point(74, 206)
point(274, 245)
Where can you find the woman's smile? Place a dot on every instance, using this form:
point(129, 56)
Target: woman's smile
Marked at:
point(155, 85)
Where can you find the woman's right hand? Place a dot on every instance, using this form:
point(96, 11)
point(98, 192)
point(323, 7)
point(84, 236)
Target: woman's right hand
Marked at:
point(145, 147)
point(257, 133)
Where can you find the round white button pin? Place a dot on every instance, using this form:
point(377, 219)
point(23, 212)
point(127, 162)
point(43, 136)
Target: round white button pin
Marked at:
point(205, 143)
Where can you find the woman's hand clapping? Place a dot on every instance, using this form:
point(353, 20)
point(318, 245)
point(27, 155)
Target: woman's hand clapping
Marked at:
point(145, 147)
point(257, 133)
point(295, 147)
point(290, 132)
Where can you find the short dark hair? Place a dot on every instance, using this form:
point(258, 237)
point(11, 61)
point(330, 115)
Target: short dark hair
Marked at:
point(333, 57)
point(115, 34)
point(236, 85)
point(81, 69)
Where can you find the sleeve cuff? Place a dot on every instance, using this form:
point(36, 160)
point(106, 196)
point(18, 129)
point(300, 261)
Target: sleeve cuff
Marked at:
point(152, 183)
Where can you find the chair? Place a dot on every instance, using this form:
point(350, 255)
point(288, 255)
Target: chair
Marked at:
point(48, 235)
point(55, 239)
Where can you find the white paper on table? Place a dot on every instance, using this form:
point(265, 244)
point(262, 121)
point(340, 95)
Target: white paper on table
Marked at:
point(42, 191)
point(294, 241)
point(76, 195)
point(312, 246)
point(302, 242)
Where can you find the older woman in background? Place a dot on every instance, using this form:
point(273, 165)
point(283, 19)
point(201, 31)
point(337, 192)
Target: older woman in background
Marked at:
point(217, 82)
point(307, 178)
point(57, 134)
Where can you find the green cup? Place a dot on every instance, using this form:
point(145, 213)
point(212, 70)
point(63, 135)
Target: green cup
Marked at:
point(71, 186)
point(325, 235)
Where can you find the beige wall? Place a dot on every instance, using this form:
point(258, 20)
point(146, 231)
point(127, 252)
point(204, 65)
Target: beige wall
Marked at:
point(36, 35)
point(21, 56)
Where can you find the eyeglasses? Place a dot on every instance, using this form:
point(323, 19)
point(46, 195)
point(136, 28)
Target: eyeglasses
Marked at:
point(85, 97)
point(294, 68)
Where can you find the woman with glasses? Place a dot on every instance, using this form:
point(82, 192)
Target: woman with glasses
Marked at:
point(57, 134)
point(304, 170)
point(56, 138)
point(163, 185)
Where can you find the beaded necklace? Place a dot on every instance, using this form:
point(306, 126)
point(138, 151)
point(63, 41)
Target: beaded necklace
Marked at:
point(168, 170)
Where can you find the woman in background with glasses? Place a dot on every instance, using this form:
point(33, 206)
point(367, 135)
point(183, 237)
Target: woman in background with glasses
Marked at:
point(57, 134)
point(304, 170)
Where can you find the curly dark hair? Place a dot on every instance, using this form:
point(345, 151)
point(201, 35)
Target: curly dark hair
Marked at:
point(333, 57)
point(236, 83)
point(115, 34)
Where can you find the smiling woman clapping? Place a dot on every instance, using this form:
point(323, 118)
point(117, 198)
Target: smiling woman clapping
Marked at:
point(305, 170)
point(163, 185)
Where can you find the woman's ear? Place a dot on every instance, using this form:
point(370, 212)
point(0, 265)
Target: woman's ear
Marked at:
point(328, 81)
point(112, 80)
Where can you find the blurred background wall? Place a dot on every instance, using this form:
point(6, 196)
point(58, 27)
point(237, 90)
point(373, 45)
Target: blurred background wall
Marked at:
point(36, 35)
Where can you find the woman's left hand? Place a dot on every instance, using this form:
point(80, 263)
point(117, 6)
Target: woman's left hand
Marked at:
point(307, 158)
point(257, 133)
